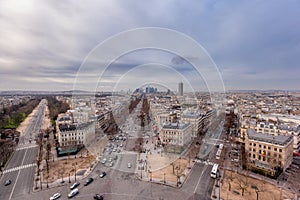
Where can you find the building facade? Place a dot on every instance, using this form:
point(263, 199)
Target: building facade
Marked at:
point(268, 152)
point(178, 134)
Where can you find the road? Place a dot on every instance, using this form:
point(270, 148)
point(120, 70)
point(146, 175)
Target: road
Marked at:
point(21, 167)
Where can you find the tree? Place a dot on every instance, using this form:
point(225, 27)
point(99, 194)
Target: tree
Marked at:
point(243, 183)
point(229, 179)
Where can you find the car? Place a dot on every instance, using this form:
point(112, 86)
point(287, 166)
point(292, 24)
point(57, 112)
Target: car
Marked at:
point(75, 185)
point(103, 161)
point(111, 164)
point(55, 196)
point(114, 150)
point(88, 181)
point(73, 193)
point(129, 165)
point(98, 196)
point(102, 174)
point(110, 159)
point(7, 182)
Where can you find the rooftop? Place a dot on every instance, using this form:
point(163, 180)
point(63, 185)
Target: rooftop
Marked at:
point(175, 125)
point(278, 139)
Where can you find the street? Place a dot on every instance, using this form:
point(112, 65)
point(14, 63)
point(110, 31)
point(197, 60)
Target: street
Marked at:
point(21, 167)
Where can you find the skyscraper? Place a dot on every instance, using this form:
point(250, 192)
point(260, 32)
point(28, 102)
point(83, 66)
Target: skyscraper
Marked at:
point(180, 89)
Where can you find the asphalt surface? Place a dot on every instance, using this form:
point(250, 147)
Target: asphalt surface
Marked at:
point(21, 167)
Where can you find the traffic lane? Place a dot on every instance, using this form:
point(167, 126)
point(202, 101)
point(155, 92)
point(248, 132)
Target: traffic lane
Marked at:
point(24, 183)
point(31, 156)
point(193, 178)
point(126, 158)
point(205, 186)
point(16, 159)
point(5, 191)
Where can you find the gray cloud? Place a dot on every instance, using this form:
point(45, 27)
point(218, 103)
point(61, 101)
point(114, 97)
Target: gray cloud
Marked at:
point(256, 44)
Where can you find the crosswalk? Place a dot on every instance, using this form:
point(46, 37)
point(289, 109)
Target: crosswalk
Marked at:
point(204, 162)
point(26, 147)
point(18, 168)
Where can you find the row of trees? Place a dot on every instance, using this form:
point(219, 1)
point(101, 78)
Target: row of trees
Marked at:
point(14, 115)
point(55, 107)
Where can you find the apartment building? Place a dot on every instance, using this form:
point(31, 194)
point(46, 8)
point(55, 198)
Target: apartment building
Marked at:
point(268, 152)
point(196, 119)
point(178, 134)
point(75, 134)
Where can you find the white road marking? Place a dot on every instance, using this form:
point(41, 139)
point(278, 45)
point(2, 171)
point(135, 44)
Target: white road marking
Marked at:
point(18, 168)
point(12, 191)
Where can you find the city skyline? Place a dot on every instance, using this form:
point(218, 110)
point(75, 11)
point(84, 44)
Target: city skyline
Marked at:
point(255, 45)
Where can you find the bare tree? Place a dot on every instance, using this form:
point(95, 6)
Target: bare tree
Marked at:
point(259, 188)
point(243, 183)
point(229, 180)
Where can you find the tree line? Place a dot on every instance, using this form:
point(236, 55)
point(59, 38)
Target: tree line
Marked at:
point(14, 115)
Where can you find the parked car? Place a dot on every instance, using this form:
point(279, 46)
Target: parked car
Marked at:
point(103, 161)
point(129, 165)
point(7, 182)
point(98, 196)
point(73, 193)
point(102, 174)
point(111, 164)
point(55, 196)
point(88, 181)
point(75, 185)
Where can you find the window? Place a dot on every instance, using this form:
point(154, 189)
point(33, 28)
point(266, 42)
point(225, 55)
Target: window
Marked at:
point(275, 149)
point(249, 155)
point(264, 146)
point(254, 144)
point(253, 155)
point(269, 147)
point(250, 143)
point(259, 146)
point(264, 158)
point(280, 150)
point(254, 150)
point(250, 149)
point(259, 157)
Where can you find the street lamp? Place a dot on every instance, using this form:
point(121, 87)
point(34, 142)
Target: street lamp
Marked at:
point(164, 178)
point(150, 175)
point(69, 177)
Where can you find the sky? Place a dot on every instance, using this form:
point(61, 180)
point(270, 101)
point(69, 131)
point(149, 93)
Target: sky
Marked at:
point(253, 44)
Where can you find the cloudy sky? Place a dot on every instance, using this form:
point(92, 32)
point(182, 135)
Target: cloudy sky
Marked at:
point(254, 44)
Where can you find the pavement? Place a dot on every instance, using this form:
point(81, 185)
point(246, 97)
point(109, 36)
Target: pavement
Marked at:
point(21, 167)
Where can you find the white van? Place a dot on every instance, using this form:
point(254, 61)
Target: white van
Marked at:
point(73, 193)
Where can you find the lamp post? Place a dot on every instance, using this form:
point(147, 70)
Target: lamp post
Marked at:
point(41, 179)
point(75, 171)
point(164, 178)
point(47, 181)
point(69, 177)
point(150, 175)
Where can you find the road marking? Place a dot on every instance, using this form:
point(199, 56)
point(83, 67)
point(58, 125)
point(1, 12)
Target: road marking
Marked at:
point(12, 191)
point(28, 147)
point(18, 168)
point(205, 168)
point(205, 162)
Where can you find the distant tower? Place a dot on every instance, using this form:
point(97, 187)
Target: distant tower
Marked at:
point(180, 89)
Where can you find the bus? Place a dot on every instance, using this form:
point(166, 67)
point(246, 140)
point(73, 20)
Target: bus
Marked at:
point(218, 155)
point(214, 171)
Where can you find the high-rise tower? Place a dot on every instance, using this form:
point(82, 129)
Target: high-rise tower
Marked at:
point(180, 89)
